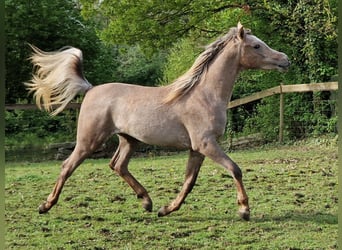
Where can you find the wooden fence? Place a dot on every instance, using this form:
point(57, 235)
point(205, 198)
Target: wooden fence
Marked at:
point(8, 107)
point(281, 90)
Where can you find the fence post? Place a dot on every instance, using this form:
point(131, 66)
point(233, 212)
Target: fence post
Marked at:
point(281, 114)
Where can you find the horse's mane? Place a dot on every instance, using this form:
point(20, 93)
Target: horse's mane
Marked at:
point(192, 77)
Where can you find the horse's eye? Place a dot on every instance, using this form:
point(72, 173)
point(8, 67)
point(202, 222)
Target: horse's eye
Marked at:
point(257, 46)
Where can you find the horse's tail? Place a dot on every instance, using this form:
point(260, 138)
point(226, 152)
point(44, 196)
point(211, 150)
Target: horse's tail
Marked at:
point(57, 79)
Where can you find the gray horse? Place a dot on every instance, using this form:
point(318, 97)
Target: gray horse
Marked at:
point(188, 114)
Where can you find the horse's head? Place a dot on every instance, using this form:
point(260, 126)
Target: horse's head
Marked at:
point(255, 54)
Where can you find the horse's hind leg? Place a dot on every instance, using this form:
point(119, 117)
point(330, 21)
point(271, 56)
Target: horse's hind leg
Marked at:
point(68, 167)
point(194, 164)
point(119, 163)
point(91, 133)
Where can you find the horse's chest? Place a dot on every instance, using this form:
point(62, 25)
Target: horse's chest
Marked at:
point(218, 124)
point(208, 122)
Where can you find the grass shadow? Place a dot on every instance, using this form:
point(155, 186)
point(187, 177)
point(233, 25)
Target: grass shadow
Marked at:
point(318, 218)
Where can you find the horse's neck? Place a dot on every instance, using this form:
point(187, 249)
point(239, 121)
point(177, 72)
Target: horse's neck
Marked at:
point(221, 75)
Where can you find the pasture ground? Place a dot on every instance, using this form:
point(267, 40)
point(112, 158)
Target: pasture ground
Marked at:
point(292, 191)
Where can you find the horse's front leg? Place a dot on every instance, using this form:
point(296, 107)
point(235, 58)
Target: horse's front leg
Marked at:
point(210, 148)
point(119, 163)
point(192, 170)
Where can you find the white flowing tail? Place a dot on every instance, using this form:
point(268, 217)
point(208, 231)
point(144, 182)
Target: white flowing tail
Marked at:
point(57, 79)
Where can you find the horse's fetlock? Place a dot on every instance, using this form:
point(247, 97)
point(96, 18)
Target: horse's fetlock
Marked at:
point(243, 202)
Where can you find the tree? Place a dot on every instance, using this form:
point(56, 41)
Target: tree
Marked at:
point(157, 24)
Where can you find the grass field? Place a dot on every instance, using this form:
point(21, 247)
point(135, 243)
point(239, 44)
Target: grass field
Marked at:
point(292, 191)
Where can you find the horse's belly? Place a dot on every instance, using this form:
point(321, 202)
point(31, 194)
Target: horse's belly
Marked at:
point(162, 133)
point(178, 141)
point(163, 136)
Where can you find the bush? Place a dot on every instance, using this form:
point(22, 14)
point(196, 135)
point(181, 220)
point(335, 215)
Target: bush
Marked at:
point(305, 114)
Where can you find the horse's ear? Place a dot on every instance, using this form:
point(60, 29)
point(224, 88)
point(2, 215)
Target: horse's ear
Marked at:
point(241, 31)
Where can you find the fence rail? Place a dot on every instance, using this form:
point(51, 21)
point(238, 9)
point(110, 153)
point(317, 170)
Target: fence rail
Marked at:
point(294, 88)
point(73, 105)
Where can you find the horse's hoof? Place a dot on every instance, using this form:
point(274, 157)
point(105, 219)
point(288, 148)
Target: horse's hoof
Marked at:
point(163, 211)
point(147, 206)
point(42, 209)
point(244, 214)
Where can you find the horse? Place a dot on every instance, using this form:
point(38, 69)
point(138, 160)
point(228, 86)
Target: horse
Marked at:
point(188, 114)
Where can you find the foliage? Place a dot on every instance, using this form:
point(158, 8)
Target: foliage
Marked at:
point(307, 30)
point(292, 192)
point(177, 65)
point(264, 119)
point(138, 68)
point(36, 128)
point(155, 24)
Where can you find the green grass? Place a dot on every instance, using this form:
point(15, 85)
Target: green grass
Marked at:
point(292, 191)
